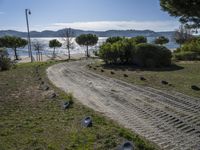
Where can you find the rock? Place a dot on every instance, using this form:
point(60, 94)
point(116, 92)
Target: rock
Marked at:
point(50, 94)
point(95, 68)
point(39, 78)
point(87, 122)
point(142, 79)
point(125, 75)
point(127, 146)
point(102, 70)
point(196, 88)
point(112, 72)
point(44, 87)
point(164, 82)
point(66, 105)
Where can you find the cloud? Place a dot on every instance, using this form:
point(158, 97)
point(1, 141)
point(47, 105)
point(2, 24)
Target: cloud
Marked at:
point(1, 12)
point(117, 25)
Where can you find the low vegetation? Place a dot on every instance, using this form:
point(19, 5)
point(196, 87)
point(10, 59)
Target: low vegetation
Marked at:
point(134, 51)
point(5, 61)
point(30, 119)
point(87, 40)
point(181, 76)
point(189, 51)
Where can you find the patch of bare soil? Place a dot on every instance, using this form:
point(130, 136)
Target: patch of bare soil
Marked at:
point(171, 120)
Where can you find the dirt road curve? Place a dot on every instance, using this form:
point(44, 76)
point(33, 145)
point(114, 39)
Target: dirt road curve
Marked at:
point(171, 120)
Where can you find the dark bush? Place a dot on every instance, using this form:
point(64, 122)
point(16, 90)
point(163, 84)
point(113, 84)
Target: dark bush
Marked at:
point(149, 55)
point(112, 40)
point(5, 62)
point(139, 39)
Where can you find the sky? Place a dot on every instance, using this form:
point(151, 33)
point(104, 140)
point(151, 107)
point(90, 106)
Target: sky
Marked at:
point(99, 15)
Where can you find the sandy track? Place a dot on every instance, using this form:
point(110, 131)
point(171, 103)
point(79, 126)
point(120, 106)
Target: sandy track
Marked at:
point(171, 120)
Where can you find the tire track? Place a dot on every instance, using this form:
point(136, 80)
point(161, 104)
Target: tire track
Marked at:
point(171, 120)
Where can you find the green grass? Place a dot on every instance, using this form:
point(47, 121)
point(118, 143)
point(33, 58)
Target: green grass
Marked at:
point(31, 121)
point(181, 76)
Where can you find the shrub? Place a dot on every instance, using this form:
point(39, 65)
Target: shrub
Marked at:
point(161, 40)
point(126, 51)
point(118, 52)
point(190, 51)
point(187, 56)
point(149, 55)
point(139, 39)
point(112, 40)
point(5, 62)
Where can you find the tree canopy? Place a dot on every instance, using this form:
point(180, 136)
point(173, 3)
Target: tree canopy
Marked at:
point(187, 10)
point(13, 42)
point(87, 40)
point(54, 44)
point(161, 40)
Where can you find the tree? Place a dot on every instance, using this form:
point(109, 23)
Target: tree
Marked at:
point(161, 40)
point(139, 39)
point(87, 40)
point(112, 40)
point(187, 10)
point(67, 36)
point(38, 46)
point(54, 44)
point(182, 35)
point(14, 43)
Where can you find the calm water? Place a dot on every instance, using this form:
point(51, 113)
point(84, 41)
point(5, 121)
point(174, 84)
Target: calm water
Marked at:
point(76, 50)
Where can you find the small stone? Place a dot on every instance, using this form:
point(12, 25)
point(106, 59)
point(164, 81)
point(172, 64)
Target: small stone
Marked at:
point(50, 94)
point(142, 79)
point(127, 146)
point(125, 75)
point(66, 105)
point(196, 88)
point(164, 82)
point(44, 87)
point(102, 70)
point(87, 122)
point(112, 72)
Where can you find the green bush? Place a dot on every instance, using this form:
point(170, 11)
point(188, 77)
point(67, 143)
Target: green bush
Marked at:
point(126, 51)
point(187, 56)
point(149, 55)
point(139, 39)
point(112, 40)
point(190, 51)
point(5, 62)
point(120, 52)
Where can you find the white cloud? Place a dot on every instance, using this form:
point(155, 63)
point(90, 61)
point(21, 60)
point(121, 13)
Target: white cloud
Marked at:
point(118, 25)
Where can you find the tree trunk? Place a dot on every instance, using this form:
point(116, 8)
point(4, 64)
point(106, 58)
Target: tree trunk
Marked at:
point(54, 52)
point(87, 52)
point(15, 51)
point(69, 57)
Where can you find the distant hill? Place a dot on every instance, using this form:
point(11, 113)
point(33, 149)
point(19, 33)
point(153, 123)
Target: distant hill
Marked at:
point(109, 33)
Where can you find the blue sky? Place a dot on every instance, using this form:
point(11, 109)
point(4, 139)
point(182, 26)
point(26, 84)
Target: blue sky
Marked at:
point(85, 14)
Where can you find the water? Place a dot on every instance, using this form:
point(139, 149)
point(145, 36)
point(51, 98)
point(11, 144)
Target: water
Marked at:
point(76, 50)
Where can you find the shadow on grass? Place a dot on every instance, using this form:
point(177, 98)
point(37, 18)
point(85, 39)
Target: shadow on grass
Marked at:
point(121, 67)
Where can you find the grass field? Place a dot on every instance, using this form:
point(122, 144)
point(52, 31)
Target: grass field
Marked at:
point(181, 76)
point(29, 120)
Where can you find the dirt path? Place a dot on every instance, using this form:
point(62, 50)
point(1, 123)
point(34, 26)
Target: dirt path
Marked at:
point(171, 120)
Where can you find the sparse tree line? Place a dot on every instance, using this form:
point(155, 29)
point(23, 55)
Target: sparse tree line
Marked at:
point(67, 36)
